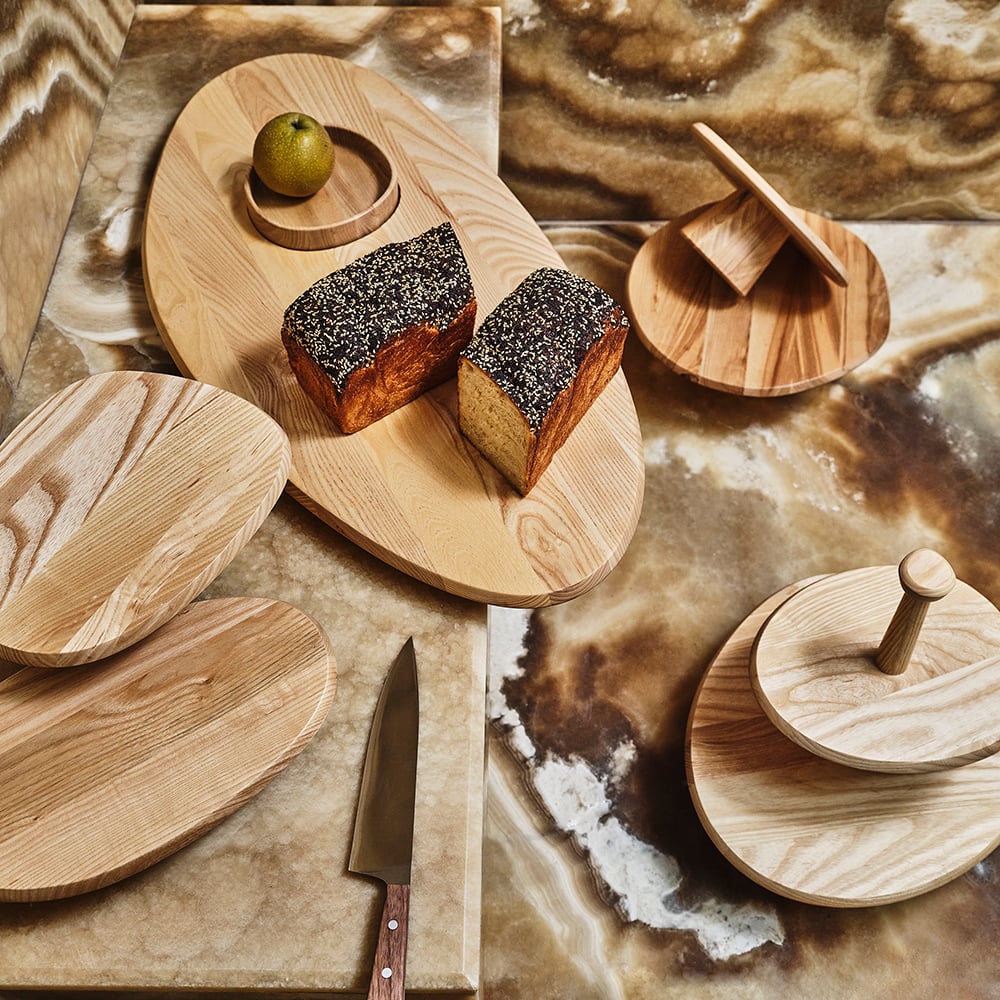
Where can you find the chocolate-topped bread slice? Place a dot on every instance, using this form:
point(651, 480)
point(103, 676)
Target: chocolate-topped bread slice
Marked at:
point(377, 333)
point(533, 369)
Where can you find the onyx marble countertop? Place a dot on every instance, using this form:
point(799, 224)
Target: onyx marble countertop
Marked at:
point(599, 882)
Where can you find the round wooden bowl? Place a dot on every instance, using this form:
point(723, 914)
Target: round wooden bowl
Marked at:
point(360, 195)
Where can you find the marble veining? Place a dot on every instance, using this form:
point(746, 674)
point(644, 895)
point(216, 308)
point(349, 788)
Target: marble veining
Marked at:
point(863, 110)
point(590, 700)
point(56, 66)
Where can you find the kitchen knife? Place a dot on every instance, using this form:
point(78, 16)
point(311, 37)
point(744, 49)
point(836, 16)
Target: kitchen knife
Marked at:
point(383, 829)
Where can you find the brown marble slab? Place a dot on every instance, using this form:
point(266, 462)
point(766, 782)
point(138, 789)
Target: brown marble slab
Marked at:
point(265, 900)
point(594, 851)
point(887, 109)
point(56, 65)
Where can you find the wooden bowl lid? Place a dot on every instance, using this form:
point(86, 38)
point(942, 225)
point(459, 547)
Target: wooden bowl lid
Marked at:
point(815, 668)
point(362, 192)
point(743, 175)
point(814, 830)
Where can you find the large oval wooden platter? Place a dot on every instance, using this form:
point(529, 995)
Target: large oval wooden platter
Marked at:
point(121, 497)
point(112, 766)
point(409, 488)
point(816, 830)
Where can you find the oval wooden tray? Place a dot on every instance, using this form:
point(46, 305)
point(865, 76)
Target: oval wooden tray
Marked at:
point(112, 766)
point(408, 488)
point(122, 497)
point(815, 830)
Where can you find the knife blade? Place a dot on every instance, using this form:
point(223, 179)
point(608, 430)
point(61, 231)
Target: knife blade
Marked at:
point(382, 847)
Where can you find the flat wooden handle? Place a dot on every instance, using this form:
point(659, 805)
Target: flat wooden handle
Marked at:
point(389, 968)
point(926, 577)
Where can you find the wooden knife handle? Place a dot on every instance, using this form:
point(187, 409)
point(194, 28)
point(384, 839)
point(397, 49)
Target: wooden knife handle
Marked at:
point(389, 967)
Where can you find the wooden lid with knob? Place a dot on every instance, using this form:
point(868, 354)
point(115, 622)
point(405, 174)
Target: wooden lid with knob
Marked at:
point(814, 830)
point(885, 668)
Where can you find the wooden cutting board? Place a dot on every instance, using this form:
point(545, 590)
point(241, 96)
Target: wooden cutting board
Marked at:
point(122, 497)
point(112, 766)
point(409, 488)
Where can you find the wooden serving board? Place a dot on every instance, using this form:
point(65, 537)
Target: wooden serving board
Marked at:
point(815, 830)
point(794, 330)
point(409, 488)
point(112, 766)
point(122, 497)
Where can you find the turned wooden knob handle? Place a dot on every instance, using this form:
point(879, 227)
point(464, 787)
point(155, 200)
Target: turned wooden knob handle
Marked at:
point(926, 577)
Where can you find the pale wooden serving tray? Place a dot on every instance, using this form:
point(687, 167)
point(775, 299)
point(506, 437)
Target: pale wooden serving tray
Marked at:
point(815, 830)
point(122, 497)
point(409, 488)
point(112, 766)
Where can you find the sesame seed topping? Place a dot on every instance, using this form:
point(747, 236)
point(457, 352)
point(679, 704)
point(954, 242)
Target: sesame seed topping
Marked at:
point(344, 319)
point(533, 342)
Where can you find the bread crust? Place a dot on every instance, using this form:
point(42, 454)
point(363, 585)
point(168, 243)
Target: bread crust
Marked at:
point(510, 361)
point(416, 360)
point(377, 333)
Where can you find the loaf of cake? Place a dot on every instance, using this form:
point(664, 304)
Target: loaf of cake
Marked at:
point(377, 333)
point(533, 369)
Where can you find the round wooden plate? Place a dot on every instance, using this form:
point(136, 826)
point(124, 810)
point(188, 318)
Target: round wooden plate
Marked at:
point(814, 673)
point(795, 329)
point(360, 195)
point(409, 488)
point(112, 766)
point(121, 498)
point(815, 830)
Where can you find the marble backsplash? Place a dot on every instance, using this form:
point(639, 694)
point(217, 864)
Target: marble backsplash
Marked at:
point(855, 110)
point(57, 62)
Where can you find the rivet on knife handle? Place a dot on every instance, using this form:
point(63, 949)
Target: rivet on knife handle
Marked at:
point(389, 967)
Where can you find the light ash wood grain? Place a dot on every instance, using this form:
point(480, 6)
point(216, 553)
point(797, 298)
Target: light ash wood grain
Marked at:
point(815, 675)
point(793, 330)
point(112, 766)
point(814, 830)
point(409, 488)
point(925, 577)
point(738, 236)
point(744, 176)
point(121, 498)
point(362, 192)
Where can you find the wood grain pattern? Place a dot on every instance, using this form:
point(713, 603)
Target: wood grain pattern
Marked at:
point(738, 236)
point(112, 766)
point(362, 193)
point(388, 977)
point(744, 176)
point(122, 497)
point(815, 675)
point(812, 829)
point(409, 488)
point(793, 330)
